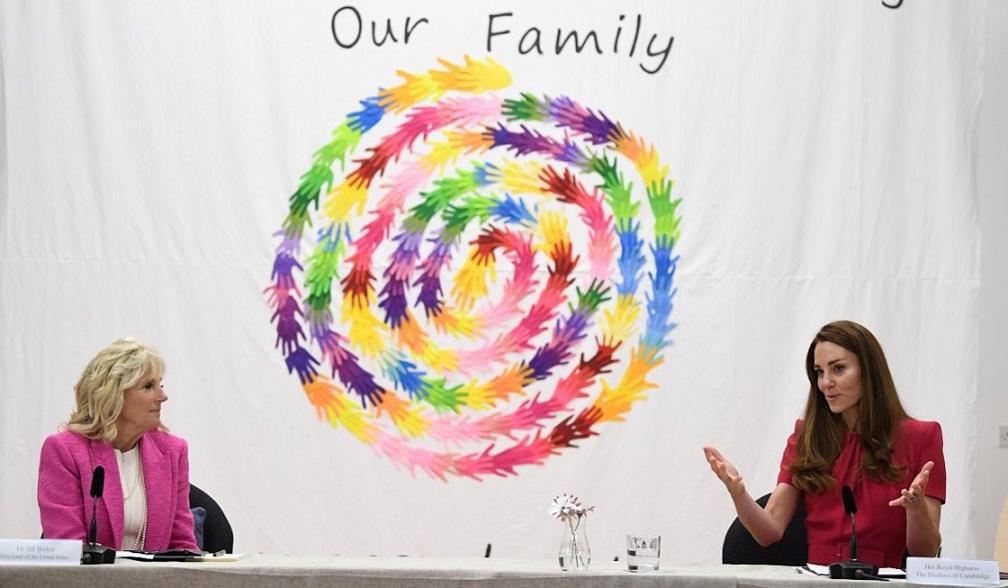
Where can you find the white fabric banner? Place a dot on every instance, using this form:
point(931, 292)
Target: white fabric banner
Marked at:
point(821, 153)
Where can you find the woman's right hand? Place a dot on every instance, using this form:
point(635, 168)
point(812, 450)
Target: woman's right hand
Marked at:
point(725, 471)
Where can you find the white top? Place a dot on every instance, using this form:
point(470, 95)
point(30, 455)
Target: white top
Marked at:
point(134, 495)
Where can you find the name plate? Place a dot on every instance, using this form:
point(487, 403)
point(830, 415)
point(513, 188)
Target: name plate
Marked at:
point(952, 572)
point(40, 552)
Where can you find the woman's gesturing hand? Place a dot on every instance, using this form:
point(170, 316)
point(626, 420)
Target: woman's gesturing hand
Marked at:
point(725, 471)
point(912, 498)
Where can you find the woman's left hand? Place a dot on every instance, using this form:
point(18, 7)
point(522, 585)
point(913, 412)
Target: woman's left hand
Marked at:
point(913, 498)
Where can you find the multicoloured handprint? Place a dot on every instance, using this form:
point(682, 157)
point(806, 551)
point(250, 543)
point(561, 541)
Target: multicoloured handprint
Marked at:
point(443, 302)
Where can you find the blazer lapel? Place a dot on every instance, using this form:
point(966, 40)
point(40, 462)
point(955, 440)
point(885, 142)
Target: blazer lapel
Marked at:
point(112, 495)
point(160, 494)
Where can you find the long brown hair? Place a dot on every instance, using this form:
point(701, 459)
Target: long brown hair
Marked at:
point(821, 438)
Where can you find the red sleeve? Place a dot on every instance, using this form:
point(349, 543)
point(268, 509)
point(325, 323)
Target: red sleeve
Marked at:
point(929, 448)
point(183, 535)
point(784, 477)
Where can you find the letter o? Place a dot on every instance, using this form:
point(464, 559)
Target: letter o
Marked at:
point(336, 36)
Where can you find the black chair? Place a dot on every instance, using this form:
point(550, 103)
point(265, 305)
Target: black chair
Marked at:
point(792, 550)
point(217, 534)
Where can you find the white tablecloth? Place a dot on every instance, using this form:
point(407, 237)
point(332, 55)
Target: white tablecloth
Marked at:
point(368, 572)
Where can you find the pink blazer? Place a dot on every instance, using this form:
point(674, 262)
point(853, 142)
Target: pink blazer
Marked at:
point(64, 490)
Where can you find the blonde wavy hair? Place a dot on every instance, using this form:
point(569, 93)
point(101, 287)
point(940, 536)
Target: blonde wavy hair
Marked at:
point(100, 390)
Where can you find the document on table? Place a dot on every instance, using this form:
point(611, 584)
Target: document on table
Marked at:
point(134, 555)
point(821, 570)
point(221, 557)
point(141, 556)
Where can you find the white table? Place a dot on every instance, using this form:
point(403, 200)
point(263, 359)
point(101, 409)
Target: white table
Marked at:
point(368, 572)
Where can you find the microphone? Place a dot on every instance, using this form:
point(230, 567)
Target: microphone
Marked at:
point(93, 552)
point(850, 507)
point(98, 482)
point(97, 488)
point(852, 569)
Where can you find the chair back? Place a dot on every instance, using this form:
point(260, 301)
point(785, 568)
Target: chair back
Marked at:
point(217, 534)
point(792, 550)
point(1001, 539)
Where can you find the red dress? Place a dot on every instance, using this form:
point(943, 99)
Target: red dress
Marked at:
point(881, 529)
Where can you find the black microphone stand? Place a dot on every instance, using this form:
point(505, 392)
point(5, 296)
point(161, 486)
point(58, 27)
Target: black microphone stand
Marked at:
point(853, 569)
point(94, 552)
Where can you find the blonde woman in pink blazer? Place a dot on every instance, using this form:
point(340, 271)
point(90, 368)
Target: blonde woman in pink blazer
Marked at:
point(117, 425)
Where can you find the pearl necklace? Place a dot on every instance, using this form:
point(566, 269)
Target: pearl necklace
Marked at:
point(137, 474)
point(138, 543)
point(130, 487)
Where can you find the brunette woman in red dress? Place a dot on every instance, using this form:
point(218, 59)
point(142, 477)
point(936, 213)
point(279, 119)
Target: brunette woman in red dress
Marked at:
point(855, 433)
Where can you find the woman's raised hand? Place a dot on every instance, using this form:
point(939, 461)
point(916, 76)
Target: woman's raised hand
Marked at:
point(725, 471)
point(913, 497)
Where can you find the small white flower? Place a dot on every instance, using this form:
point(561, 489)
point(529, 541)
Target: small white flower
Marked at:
point(567, 506)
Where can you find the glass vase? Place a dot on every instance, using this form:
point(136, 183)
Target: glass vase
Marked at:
point(575, 553)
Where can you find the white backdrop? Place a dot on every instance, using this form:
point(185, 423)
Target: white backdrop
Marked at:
point(824, 153)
